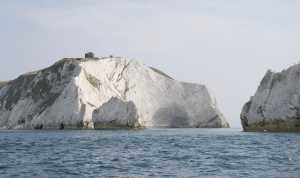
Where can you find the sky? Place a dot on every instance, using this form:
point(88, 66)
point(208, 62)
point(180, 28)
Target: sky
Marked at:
point(228, 45)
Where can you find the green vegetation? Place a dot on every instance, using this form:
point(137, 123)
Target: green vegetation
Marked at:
point(161, 73)
point(278, 125)
point(3, 83)
point(92, 80)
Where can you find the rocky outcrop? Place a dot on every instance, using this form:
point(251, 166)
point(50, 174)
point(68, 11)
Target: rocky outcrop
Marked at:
point(276, 103)
point(104, 92)
point(116, 113)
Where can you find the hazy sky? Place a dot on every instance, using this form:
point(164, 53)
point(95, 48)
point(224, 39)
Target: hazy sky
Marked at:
point(227, 45)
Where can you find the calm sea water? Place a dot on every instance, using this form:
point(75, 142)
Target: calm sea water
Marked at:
point(149, 153)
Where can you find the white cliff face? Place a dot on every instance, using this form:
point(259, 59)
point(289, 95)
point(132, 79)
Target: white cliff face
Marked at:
point(100, 93)
point(276, 104)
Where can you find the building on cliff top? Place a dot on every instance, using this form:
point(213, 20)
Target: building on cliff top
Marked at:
point(90, 55)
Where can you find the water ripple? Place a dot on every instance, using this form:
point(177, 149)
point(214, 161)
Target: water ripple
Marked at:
point(149, 153)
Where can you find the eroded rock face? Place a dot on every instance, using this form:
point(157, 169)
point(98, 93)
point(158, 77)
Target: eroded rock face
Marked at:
point(276, 103)
point(83, 93)
point(116, 114)
point(172, 116)
point(25, 100)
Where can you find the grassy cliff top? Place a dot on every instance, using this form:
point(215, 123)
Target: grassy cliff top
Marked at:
point(2, 83)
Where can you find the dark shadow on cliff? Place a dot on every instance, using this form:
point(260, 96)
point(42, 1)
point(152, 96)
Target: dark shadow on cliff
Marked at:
point(172, 116)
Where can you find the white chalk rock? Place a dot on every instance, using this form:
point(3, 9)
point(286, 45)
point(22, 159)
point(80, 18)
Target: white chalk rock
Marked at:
point(101, 93)
point(116, 113)
point(276, 103)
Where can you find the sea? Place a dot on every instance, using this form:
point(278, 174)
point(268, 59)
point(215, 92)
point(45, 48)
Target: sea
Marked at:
point(219, 153)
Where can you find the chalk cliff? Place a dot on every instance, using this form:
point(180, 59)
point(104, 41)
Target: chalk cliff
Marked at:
point(276, 103)
point(79, 93)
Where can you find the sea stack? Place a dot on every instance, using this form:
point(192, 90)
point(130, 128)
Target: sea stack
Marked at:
point(112, 92)
point(275, 107)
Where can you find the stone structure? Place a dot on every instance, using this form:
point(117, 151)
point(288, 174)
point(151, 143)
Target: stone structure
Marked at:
point(90, 55)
